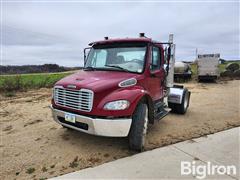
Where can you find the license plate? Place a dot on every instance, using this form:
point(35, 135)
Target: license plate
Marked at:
point(70, 117)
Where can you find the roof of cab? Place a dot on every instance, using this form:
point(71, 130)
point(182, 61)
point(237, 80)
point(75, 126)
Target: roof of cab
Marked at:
point(147, 40)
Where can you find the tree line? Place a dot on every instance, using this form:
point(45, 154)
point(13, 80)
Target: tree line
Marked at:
point(25, 69)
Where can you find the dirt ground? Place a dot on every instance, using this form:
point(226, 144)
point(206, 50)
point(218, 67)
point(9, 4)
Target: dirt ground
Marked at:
point(33, 146)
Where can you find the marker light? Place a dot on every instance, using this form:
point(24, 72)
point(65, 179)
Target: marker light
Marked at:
point(128, 82)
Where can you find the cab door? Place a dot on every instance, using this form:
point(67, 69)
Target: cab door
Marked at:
point(156, 79)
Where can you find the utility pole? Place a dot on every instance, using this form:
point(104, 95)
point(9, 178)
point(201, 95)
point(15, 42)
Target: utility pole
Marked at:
point(196, 53)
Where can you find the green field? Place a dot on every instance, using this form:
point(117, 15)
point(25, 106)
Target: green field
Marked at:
point(12, 83)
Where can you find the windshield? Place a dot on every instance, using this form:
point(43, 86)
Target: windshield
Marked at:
point(122, 58)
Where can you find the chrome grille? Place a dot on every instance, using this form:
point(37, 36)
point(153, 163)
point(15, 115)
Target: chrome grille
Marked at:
point(75, 99)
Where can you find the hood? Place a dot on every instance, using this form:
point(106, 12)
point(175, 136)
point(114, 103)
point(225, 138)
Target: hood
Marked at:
point(95, 80)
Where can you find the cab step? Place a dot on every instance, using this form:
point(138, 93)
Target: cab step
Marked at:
point(161, 114)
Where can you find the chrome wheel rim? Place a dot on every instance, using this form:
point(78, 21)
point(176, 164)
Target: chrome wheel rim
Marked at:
point(185, 101)
point(145, 126)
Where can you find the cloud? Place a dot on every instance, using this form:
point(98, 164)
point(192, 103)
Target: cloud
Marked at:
point(30, 54)
point(15, 36)
point(57, 32)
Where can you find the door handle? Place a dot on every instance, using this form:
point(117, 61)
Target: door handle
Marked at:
point(162, 82)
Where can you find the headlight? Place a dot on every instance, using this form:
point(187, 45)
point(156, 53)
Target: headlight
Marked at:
point(128, 82)
point(117, 105)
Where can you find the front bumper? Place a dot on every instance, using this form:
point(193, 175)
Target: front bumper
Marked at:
point(96, 126)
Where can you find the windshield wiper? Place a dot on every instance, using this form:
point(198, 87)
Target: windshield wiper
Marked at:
point(89, 68)
point(118, 67)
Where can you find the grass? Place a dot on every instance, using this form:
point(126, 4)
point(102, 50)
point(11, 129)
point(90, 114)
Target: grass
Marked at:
point(194, 69)
point(13, 83)
point(74, 163)
point(30, 170)
point(44, 169)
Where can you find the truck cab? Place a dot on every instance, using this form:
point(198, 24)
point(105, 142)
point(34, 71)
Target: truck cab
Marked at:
point(121, 89)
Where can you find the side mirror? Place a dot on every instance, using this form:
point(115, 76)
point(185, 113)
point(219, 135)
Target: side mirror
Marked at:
point(86, 52)
point(169, 54)
point(165, 55)
point(168, 59)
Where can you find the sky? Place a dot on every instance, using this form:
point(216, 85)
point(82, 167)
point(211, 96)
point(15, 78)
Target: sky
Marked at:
point(57, 31)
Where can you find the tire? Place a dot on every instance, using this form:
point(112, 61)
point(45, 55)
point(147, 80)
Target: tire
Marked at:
point(138, 131)
point(181, 108)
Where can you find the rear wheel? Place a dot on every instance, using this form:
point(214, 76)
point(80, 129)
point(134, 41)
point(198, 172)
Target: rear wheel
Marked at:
point(181, 108)
point(138, 131)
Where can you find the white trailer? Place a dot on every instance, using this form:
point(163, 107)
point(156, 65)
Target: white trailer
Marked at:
point(207, 66)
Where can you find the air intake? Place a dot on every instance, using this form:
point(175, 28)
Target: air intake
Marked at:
point(75, 99)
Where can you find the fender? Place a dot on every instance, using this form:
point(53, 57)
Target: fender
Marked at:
point(133, 94)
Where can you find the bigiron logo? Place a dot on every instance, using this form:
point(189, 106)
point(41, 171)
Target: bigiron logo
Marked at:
point(203, 170)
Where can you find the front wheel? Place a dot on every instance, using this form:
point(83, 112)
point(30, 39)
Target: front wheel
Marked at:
point(138, 131)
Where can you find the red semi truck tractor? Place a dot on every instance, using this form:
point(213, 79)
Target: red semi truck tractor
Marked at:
point(125, 85)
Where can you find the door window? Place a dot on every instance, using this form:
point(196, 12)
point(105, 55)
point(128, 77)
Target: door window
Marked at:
point(155, 64)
